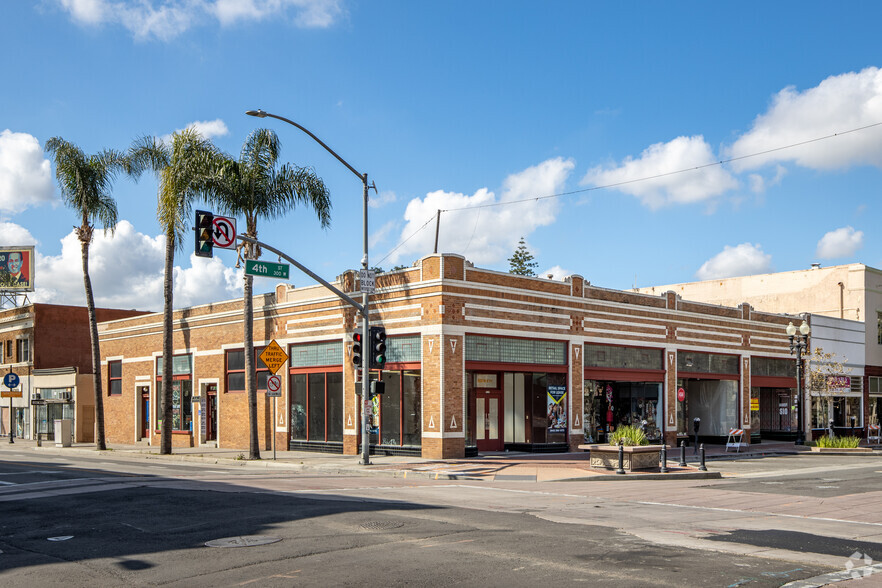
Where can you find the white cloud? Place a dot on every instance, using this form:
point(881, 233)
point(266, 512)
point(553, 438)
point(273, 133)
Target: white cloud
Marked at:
point(382, 199)
point(759, 183)
point(209, 129)
point(25, 173)
point(12, 234)
point(484, 235)
point(126, 270)
point(682, 153)
point(308, 13)
point(556, 273)
point(839, 103)
point(843, 242)
point(742, 260)
point(166, 19)
point(381, 234)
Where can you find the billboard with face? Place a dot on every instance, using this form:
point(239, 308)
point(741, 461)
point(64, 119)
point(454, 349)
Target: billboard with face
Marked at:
point(17, 269)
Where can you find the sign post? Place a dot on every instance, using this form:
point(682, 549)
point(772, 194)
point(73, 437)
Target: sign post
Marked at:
point(11, 380)
point(274, 357)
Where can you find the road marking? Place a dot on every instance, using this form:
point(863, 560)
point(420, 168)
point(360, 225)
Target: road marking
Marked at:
point(4, 474)
point(758, 512)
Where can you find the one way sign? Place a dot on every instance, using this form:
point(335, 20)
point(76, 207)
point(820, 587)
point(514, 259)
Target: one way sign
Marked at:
point(224, 232)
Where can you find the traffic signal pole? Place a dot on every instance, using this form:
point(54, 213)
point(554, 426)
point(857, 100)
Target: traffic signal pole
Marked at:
point(366, 411)
point(363, 307)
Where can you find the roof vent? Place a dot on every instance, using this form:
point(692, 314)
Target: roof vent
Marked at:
point(816, 266)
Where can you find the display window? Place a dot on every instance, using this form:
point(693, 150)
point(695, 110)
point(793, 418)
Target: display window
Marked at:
point(615, 404)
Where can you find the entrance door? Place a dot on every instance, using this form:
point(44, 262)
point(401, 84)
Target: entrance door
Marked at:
point(211, 417)
point(145, 410)
point(488, 410)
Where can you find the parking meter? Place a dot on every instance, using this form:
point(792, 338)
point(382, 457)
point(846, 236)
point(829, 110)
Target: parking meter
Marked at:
point(696, 424)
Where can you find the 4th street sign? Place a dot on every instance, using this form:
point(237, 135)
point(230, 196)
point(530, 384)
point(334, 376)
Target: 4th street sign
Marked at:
point(266, 269)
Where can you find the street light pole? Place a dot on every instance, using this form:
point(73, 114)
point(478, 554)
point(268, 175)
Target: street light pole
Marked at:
point(798, 346)
point(365, 364)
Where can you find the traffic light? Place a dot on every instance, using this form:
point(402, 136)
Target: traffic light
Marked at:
point(204, 230)
point(356, 349)
point(377, 387)
point(378, 348)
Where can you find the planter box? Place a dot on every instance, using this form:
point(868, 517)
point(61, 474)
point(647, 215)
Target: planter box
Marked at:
point(638, 457)
point(842, 449)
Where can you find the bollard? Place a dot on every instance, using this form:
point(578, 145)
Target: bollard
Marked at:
point(664, 459)
point(702, 467)
point(39, 439)
point(682, 463)
point(621, 468)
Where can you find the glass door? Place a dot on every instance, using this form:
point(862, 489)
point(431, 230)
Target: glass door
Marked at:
point(489, 429)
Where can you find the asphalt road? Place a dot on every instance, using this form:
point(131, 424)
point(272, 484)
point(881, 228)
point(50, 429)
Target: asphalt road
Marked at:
point(78, 520)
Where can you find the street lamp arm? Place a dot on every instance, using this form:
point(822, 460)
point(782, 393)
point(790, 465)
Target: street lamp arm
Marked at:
point(261, 114)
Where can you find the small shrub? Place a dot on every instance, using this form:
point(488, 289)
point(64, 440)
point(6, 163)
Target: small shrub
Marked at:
point(629, 435)
point(838, 442)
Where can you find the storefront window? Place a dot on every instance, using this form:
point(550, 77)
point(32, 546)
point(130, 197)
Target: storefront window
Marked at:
point(839, 409)
point(626, 403)
point(399, 408)
point(317, 406)
point(181, 393)
point(715, 403)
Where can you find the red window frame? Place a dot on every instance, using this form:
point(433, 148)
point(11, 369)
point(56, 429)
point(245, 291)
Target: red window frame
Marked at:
point(259, 370)
point(111, 379)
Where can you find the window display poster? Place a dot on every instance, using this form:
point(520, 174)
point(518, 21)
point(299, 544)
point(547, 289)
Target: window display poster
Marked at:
point(557, 409)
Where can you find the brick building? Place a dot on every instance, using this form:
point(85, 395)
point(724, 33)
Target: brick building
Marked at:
point(48, 347)
point(477, 360)
point(845, 301)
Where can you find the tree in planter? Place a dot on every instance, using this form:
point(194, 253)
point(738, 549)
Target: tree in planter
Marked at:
point(521, 262)
point(821, 372)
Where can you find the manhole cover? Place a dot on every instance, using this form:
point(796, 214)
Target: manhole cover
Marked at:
point(381, 525)
point(244, 541)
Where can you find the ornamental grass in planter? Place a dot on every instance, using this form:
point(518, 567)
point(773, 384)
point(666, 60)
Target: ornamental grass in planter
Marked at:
point(629, 435)
point(837, 442)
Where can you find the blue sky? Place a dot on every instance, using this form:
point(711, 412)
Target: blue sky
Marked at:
point(455, 106)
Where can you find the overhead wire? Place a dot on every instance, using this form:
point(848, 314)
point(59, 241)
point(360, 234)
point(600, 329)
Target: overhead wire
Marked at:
point(636, 180)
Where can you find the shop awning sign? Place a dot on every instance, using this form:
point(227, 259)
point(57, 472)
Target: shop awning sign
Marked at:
point(273, 356)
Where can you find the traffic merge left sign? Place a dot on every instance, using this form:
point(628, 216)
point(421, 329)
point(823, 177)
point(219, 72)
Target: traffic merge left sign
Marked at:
point(273, 356)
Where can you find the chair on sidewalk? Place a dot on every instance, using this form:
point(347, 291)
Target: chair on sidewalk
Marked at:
point(735, 440)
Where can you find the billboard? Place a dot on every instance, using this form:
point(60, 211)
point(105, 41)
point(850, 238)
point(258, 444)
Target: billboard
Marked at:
point(17, 269)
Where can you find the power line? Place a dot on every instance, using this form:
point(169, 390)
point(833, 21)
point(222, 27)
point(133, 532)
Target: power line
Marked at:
point(636, 180)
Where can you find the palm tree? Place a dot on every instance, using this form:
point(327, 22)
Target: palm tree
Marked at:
point(182, 166)
point(255, 188)
point(85, 183)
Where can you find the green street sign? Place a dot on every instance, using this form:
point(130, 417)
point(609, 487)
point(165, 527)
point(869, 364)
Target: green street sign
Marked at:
point(266, 269)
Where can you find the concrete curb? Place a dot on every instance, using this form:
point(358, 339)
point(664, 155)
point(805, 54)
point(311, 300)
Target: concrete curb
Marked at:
point(626, 477)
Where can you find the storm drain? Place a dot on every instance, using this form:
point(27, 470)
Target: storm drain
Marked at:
point(381, 525)
point(244, 541)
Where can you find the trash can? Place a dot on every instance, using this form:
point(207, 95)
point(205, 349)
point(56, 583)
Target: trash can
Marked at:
point(62, 432)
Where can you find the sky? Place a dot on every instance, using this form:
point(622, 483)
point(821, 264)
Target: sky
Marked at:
point(631, 143)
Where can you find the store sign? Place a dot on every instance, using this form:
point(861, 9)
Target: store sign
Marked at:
point(485, 381)
point(681, 394)
point(557, 409)
point(754, 404)
point(839, 383)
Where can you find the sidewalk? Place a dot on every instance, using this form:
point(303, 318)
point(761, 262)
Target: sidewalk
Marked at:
point(515, 467)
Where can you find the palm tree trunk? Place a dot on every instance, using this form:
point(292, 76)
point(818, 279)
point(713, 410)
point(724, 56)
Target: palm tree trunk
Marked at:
point(250, 380)
point(165, 444)
point(100, 443)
